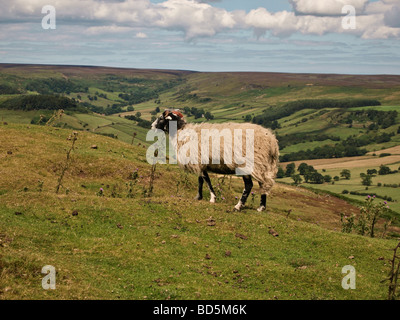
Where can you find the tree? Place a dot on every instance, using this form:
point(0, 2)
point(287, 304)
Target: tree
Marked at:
point(280, 174)
point(372, 171)
point(327, 178)
point(317, 178)
point(208, 116)
point(247, 118)
point(290, 169)
point(309, 174)
point(130, 109)
point(346, 174)
point(366, 179)
point(302, 168)
point(138, 114)
point(336, 178)
point(383, 170)
point(297, 179)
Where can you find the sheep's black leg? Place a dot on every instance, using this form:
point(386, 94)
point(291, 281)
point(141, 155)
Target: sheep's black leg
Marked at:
point(200, 190)
point(208, 181)
point(263, 202)
point(248, 185)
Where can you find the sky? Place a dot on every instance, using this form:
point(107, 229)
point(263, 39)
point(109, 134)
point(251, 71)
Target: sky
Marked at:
point(297, 36)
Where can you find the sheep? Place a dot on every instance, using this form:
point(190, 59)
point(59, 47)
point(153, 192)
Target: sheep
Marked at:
point(264, 143)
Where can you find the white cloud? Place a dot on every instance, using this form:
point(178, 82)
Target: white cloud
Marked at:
point(326, 7)
point(141, 35)
point(195, 19)
point(208, 1)
point(380, 21)
point(199, 18)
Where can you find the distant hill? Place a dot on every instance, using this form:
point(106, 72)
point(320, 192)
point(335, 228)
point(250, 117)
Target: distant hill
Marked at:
point(107, 95)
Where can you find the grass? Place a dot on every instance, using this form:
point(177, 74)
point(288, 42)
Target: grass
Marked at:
point(306, 145)
point(163, 247)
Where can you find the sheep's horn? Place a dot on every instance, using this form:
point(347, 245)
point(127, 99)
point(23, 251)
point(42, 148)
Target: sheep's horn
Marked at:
point(180, 115)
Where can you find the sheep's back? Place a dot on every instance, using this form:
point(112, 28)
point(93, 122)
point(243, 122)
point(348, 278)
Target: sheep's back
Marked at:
point(266, 150)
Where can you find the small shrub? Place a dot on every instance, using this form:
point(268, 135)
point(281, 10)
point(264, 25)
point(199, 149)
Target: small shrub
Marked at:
point(100, 193)
point(347, 223)
point(369, 215)
point(384, 155)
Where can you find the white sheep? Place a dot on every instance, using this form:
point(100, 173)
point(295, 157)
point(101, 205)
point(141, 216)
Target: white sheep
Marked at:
point(264, 144)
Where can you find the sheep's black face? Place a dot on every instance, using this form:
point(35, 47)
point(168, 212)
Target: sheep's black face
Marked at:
point(162, 122)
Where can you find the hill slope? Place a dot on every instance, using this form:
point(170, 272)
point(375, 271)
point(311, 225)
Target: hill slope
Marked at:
point(121, 244)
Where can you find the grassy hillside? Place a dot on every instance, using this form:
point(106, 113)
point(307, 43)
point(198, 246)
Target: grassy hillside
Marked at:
point(123, 244)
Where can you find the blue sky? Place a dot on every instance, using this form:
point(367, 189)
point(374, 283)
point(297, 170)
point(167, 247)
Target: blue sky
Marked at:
point(304, 36)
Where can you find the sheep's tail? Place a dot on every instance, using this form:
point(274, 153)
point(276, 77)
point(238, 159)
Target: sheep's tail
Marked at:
point(267, 173)
point(274, 156)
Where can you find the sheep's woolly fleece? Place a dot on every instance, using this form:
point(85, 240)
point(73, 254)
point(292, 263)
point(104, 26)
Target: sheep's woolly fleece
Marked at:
point(266, 151)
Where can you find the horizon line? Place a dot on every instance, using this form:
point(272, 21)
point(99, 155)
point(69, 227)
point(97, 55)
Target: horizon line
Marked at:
point(192, 71)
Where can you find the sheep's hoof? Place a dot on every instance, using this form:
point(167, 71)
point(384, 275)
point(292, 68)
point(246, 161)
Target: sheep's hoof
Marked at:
point(198, 197)
point(213, 198)
point(260, 209)
point(238, 207)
